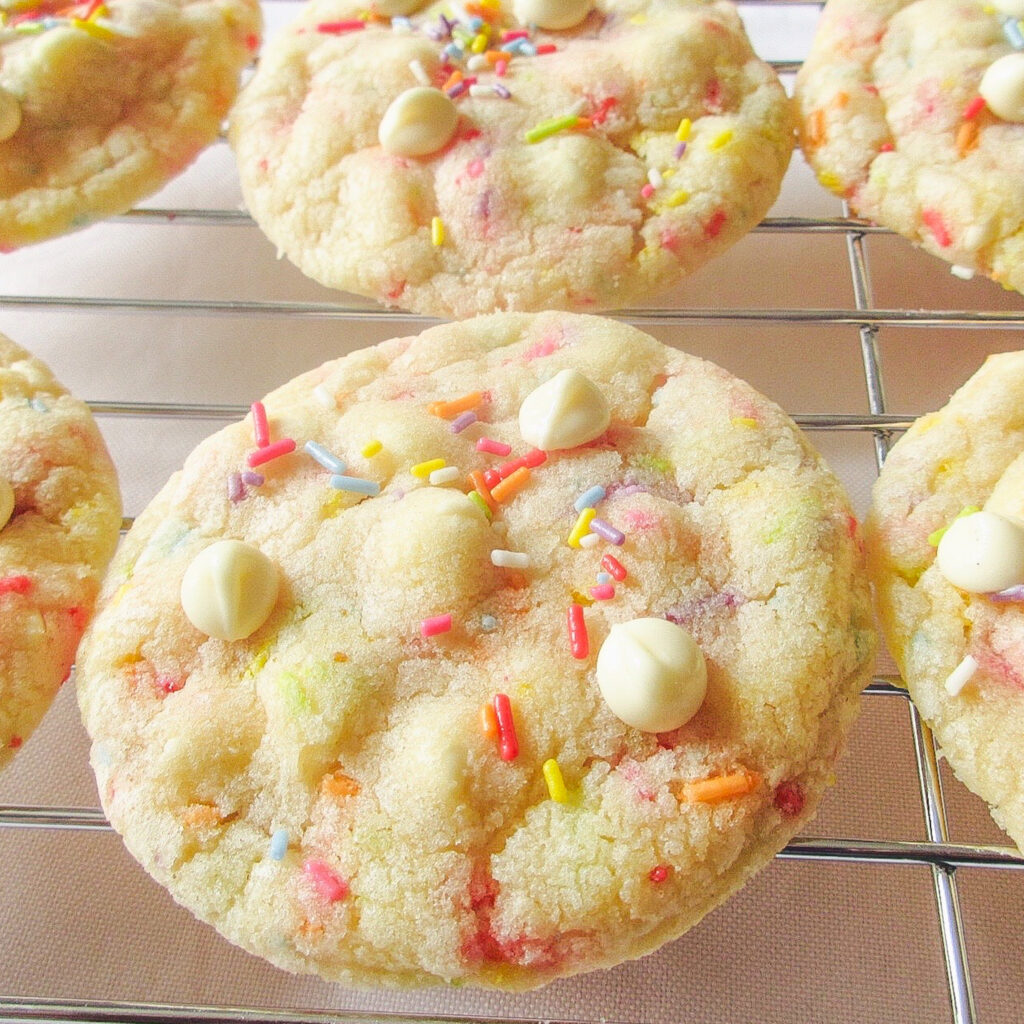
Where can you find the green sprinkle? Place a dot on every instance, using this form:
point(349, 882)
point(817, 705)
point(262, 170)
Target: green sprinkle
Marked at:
point(551, 127)
point(936, 536)
point(652, 463)
point(477, 499)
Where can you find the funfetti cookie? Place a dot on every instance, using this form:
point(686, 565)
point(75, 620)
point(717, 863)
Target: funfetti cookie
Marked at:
point(528, 156)
point(60, 515)
point(101, 103)
point(487, 656)
point(946, 547)
point(913, 110)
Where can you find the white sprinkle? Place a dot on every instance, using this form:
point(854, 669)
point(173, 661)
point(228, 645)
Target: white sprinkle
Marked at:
point(419, 72)
point(324, 397)
point(655, 178)
point(481, 90)
point(477, 63)
point(964, 273)
point(589, 540)
point(445, 475)
point(510, 559)
point(961, 675)
point(401, 26)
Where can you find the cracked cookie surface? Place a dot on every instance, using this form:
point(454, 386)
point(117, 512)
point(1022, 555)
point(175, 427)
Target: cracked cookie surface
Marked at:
point(103, 103)
point(676, 141)
point(326, 792)
point(967, 455)
point(64, 516)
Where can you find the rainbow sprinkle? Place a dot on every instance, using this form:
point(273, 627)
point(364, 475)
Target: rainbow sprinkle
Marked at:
point(436, 231)
point(492, 447)
point(424, 469)
point(463, 420)
point(555, 782)
point(260, 426)
point(356, 485)
point(326, 459)
point(582, 527)
point(589, 498)
point(510, 559)
point(608, 532)
point(279, 844)
point(326, 882)
point(269, 452)
point(579, 640)
point(445, 475)
point(436, 624)
point(553, 126)
point(508, 742)
point(370, 449)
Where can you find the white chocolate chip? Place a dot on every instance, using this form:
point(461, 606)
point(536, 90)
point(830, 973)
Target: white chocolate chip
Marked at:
point(551, 14)
point(419, 121)
point(1002, 87)
point(982, 553)
point(564, 412)
point(229, 590)
point(1011, 8)
point(652, 674)
point(10, 115)
point(6, 501)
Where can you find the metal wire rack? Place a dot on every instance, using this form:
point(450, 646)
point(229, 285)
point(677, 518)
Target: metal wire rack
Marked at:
point(937, 853)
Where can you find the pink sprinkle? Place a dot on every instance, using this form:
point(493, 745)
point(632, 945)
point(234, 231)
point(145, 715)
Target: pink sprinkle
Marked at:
point(934, 222)
point(253, 479)
point(886, 147)
point(614, 567)
point(169, 684)
point(491, 477)
point(337, 28)
point(974, 108)
point(260, 426)
point(647, 191)
point(508, 742)
point(659, 873)
point(579, 640)
point(236, 489)
point(602, 592)
point(436, 624)
point(516, 33)
point(15, 585)
point(271, 451)
point(326, 881)
point(500, 68)
point(475, 168)
point(492, 447)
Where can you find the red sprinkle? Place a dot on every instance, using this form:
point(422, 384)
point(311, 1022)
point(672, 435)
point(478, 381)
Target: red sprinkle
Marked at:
point(974, 108)
point(260, 426)
point(546, 48)
point(436, 624)
point(491, 477)
point(270, 451)
point(15, 585)
point(789, 798)
point(886, 147)
point(715, 224)
point(602, 592)
point(508, 742)
point(337, 28)
point(492, 447)
point(579, 641)
point(613, 566)
point(934, 222)
point(326, 881)
point(518, 33)
point(659, 873)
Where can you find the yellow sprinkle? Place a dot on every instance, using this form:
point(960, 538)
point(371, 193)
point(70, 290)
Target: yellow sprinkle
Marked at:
point(829, 181)
point(94, 30)
point(683, 131)
point(437, 231)
point(638, 19)
point(678, 197)
point(556, 784)
point(119, 595)
point(582, 527)
point(371, 448)
point(258, 661)
point(479, 43)
point(424, 469)
point(720, 140)
point(581, 599)
point(100, 12)
point(744, 421)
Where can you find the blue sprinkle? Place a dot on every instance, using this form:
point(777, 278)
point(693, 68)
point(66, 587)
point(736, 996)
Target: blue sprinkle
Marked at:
point(39, 405)
point(279, 844)
point(604, 577)
point(589, 498)
point(326, 459)
point(1012, 31)
point(488, 623)
point(357, 484)
point(476, 23)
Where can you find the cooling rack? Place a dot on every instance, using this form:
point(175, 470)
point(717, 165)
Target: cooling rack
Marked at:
point(171, 318)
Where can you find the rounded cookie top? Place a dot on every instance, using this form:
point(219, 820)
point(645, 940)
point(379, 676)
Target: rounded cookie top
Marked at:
point(406, 770)
point(581, 168)
point(102, 103)
point(958, 649)
point(60, 514)
point(896, 118)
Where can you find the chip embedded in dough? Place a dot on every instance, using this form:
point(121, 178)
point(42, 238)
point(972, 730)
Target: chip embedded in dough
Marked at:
point(893, 119)
point(102, 103)
point(407, 773)
point(960, 653)
point(590, 167)
point(60, 514)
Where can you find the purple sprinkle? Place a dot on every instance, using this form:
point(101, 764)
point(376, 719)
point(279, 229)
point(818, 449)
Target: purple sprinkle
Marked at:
point(236, 489)
point(501, 91)
point(1015, 593)
point(253, 479)
point(680, 150)
point(607, 531)
point(457, 90)
point(462, 421)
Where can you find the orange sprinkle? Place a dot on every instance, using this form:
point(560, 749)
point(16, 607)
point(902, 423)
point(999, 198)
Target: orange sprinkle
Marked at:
point(476, 479)
point(816, 130)
point(493, 56)
point(966, 138)
point(718, 787)
point(504, 489)
point(337, 783)
point(841, 99)
point(453, 79)
point(489, 721)
point(449, 410)
point(310, 930)
point(485, 11)
point(200, 816)
point(582, 124)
